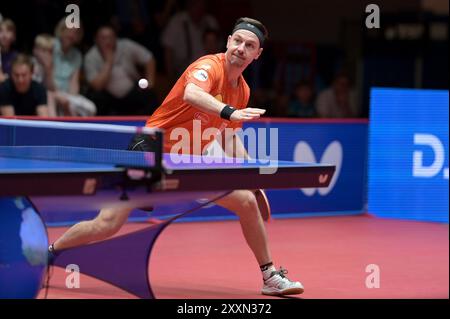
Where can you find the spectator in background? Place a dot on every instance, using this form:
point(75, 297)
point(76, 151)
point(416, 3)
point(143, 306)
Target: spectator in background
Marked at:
point(112, 68)
point(182, 39)
point(339, 100)
point(42, 62)
point(20, 95)
point(43, 58)
point(67, 61)
point(143, 21)
point(302, 103)
point(7, 39)
point(211, 41)
point(133, 19)
point(58, 66)
point(162, 11)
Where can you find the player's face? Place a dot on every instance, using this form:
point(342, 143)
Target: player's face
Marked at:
point(243, 48)
point(21, 76)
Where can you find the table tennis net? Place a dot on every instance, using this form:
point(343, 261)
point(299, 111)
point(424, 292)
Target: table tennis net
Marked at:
point(83, 142)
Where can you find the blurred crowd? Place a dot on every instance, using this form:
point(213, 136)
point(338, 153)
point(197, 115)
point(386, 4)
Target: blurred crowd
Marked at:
point(95, 69)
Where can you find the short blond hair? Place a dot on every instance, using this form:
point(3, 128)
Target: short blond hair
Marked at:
point(44, 41)
point(22, 59)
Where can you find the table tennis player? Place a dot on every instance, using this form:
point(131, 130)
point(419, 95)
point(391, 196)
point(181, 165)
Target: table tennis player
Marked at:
point(212, 90)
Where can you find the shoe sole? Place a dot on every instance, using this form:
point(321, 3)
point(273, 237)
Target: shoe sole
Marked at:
point(291, 291)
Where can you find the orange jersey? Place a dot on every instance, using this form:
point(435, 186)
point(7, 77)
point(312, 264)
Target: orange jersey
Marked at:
point(177, 117)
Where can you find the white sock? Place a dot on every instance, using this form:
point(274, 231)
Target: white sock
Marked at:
point(268, 272)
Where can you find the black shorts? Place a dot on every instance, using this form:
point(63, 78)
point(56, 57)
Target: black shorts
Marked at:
point(143, 143)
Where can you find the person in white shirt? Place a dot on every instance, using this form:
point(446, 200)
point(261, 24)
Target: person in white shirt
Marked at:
point(112, 68)
point(57, 65)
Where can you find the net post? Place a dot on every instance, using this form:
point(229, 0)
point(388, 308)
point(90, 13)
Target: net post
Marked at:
point(159, 151)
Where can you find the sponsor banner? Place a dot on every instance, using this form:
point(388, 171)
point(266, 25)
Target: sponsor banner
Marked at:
point(343, 144)
point(408, 156)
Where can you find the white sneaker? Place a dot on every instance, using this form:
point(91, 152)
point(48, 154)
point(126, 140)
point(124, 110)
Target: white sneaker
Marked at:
point(278, 284)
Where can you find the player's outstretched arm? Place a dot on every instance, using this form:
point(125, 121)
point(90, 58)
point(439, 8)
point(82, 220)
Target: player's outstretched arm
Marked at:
point(204, 101)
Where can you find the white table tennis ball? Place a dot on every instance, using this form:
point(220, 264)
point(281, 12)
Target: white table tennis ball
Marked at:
point(143, 83)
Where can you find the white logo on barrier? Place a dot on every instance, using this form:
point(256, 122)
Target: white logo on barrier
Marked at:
point(419, 169)
point(333, 155)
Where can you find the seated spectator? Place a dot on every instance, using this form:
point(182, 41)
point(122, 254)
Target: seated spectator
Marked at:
point(112, 69)
point(62, 68)
point(20, 95)
point(339, 100)
point(7, 39)
point(182, 38)
point(58, 67)
point(302, 104)
point(43, 67)
point(43, 59)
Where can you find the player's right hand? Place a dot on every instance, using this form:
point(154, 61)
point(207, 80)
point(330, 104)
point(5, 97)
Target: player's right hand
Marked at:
point(247, 114)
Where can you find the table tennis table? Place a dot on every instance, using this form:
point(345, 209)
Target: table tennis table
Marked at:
point(55, 177)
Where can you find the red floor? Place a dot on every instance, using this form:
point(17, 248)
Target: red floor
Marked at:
point(328, 255)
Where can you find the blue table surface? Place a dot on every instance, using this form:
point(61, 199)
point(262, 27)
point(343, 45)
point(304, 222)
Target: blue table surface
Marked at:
point(73, 159)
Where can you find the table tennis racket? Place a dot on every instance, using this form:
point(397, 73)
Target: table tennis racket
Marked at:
point(263, 204)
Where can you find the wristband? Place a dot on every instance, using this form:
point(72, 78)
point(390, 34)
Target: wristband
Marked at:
point(227, 111)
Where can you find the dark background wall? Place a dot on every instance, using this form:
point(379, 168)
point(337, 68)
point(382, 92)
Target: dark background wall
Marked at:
point(311, 37)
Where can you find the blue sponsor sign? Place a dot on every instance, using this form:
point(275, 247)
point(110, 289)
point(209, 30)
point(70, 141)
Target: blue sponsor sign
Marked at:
point(343, 144)
point(408, 166)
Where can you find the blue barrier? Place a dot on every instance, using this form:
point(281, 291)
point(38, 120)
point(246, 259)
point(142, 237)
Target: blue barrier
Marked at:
point(408, 167)
point(23, 249)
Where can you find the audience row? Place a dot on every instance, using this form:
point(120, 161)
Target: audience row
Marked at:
point(105, 80)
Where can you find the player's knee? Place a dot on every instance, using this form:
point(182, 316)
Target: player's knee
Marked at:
point(248, 203)
point(106, 227)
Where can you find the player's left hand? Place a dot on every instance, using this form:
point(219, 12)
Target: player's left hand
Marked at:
point(247, 114)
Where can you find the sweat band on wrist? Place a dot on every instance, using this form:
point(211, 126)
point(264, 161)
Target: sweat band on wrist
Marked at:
point(226, 112)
